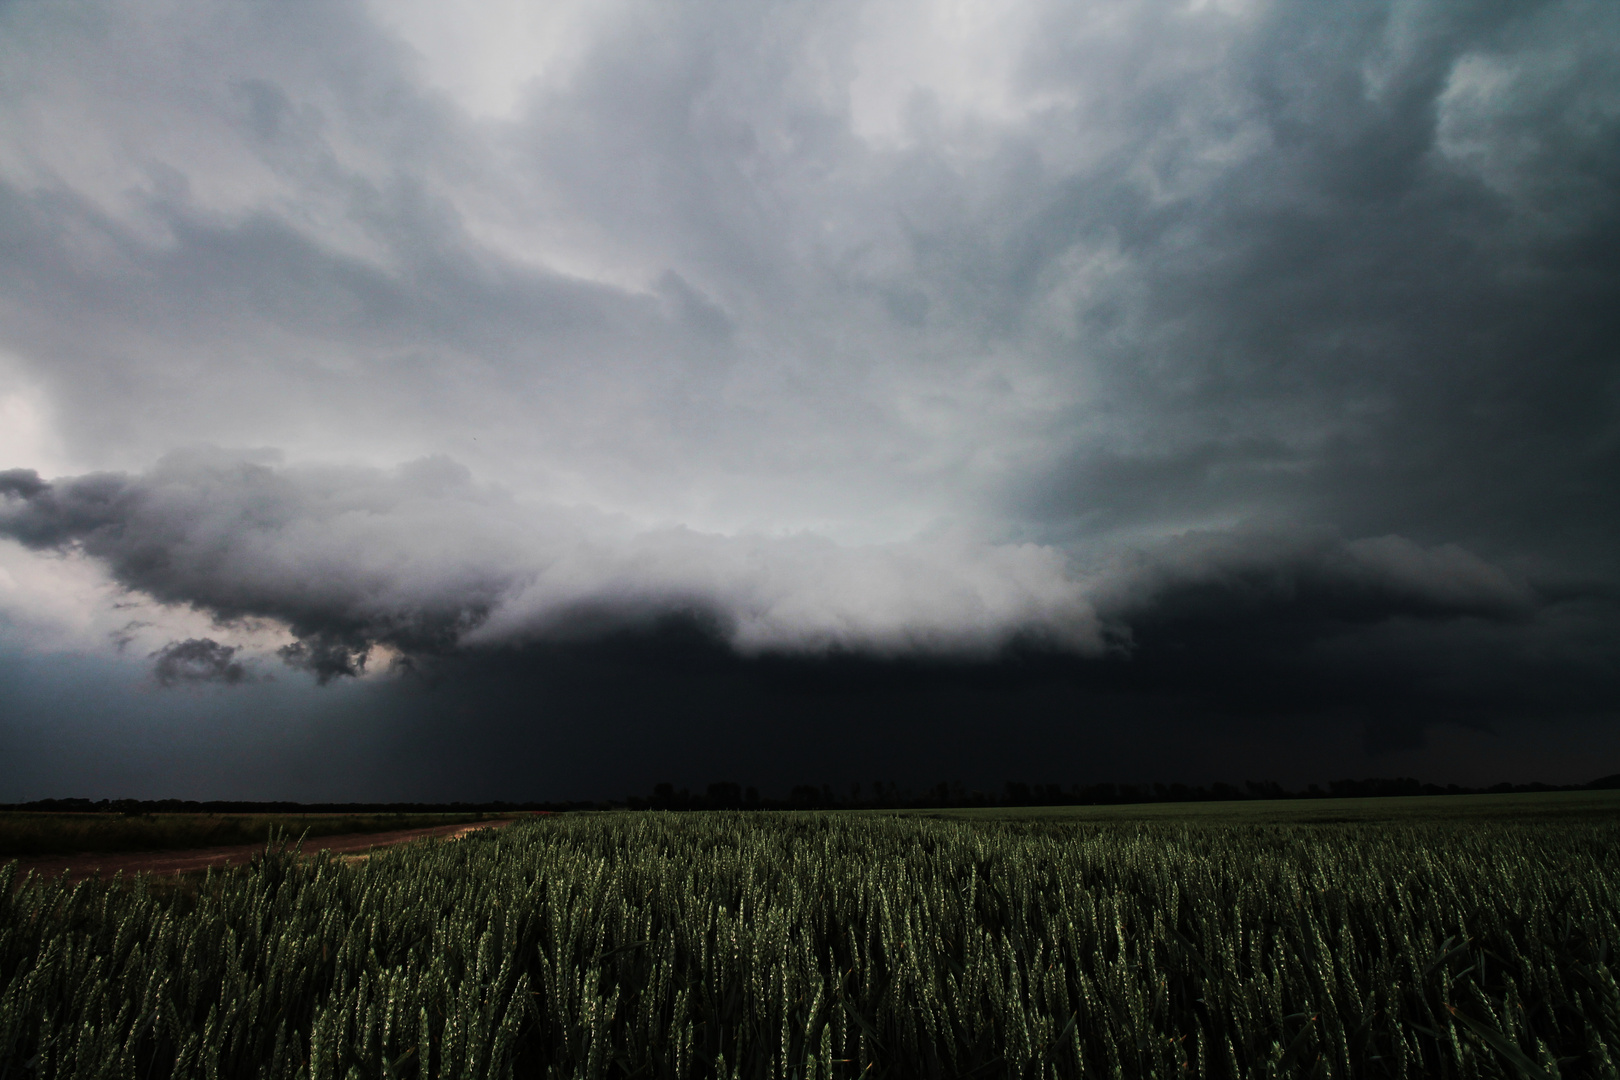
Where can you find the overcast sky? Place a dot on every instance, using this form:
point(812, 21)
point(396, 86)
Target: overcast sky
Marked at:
point(508, 400)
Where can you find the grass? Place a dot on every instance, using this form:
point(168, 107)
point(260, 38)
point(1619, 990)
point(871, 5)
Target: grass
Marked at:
point(27, 833)
point(850, 945)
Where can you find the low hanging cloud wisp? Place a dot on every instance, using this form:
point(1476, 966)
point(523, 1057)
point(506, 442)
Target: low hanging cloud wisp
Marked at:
point(198, 660)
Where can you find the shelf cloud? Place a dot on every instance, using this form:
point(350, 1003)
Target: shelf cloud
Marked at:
point(424, 561)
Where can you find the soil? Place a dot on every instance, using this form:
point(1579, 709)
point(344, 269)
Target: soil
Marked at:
point(352, 845)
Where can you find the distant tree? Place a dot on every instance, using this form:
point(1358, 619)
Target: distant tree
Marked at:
point(724, 795)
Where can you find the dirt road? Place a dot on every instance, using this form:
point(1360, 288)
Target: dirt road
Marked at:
point(79, 867)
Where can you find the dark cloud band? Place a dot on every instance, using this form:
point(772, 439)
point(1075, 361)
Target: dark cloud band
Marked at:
point(1264, 621)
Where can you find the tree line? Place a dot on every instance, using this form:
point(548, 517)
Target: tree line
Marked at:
point(880, 794)
point(875, 795)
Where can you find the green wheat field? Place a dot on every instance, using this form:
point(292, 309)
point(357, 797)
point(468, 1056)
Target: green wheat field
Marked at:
point(1368, 938)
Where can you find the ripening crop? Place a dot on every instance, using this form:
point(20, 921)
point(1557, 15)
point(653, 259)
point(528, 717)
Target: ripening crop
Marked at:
point(816, 946)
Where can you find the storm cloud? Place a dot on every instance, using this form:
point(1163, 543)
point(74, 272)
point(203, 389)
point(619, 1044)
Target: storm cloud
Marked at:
point(1216, 360)
point(422, 560)
point(437, 571)
point(198, 660)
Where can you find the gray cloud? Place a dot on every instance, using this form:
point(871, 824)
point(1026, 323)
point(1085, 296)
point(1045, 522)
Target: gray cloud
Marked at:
point(688, 283)
point(1189, 330)
point(124, 635)
point(431, 565)
point(198, 660)
point(21, 483)
point(1316, 577)
point(423, 560)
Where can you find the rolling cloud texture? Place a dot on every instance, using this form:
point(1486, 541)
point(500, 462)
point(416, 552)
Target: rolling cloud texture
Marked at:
point(1225, 361)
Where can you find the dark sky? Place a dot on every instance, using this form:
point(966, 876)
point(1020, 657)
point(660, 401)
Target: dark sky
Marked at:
point(542, 401)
